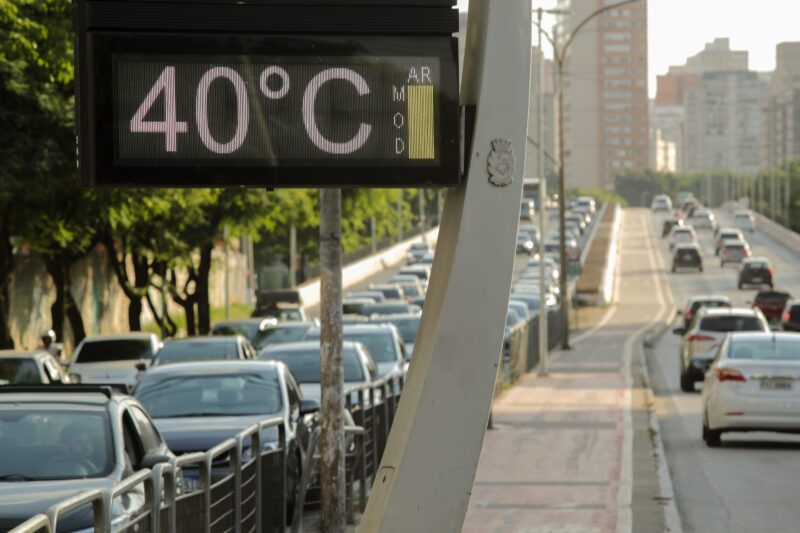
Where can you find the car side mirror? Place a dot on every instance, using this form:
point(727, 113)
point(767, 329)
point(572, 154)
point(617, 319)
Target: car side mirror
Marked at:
point(679, 331)
point(141, 367)
point(308, 406)
point(152, 459)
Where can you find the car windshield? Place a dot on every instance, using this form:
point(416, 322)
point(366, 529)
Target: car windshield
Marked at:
point(711, 304)
point(281, 335)
point(380, 346)
point(407, 327)
point(305, 364)
point(756, 266)
point(114, 350)
point(40, 444)
point(210, 395)
point(19, 371)
point(419, 247)
point(766, 348)
point(727, 323)
point(183, 351)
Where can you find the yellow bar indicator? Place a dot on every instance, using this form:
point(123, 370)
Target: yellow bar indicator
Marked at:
point(420, 122)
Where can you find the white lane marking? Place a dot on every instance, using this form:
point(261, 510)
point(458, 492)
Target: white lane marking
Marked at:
point(672, 519)
point(625, 494)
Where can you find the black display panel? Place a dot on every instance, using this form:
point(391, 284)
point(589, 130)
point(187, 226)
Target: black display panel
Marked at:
point(280, 111)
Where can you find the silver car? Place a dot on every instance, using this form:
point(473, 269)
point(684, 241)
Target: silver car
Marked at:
point(708, 329)
point(112, 358)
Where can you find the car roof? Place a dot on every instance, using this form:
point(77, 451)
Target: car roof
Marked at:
point(757, 259)
point(395, 316)
point(133, 335)
point(727, 311)
point(766, 336)
point(263, 322)
point(229, 366)
point(710, 297)
point(214, 339)
point(687, 246)
point(303, 346)
point(733, 244)
point(737, 231)
point(60, 395)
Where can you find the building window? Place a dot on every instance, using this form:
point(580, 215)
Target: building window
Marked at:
point(616, 48)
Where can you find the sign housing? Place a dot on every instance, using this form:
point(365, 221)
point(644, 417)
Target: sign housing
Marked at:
point(191, 94)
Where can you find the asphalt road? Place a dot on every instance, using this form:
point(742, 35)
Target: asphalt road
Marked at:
point(751, 483)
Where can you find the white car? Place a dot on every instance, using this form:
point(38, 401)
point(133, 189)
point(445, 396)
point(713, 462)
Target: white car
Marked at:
point(662, 202)
point(745, 221)
point(753, 385)
point(703, 219)
point(112, 358)
point(682, 234)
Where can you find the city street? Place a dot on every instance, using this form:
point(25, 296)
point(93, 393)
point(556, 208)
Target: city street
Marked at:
point(571, 452)
point(750, 484)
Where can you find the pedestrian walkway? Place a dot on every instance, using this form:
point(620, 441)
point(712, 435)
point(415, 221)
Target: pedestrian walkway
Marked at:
point(561, 456)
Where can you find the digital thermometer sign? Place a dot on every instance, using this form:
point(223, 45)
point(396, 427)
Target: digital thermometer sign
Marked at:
point(300, 111)
point(272, 111)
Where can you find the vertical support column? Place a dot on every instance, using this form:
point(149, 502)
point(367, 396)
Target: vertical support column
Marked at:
point(544, 355)
point(292, 256)
point(428, 468)
point(332, 449)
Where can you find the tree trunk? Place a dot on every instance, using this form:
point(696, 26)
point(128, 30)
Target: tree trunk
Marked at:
point(202, 292)
point(56, 271)
point(141, 282)
point(74, 316)
point(6, 270)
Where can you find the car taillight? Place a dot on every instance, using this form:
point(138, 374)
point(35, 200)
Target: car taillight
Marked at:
point(771, 271)
point(787, 316)
point(700, 337)
point(725, 251)
point(729, 374)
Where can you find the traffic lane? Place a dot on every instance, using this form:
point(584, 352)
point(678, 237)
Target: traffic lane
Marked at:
point(714, 488)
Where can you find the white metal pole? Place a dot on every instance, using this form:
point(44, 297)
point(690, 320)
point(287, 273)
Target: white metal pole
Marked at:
point(543, 313)
point(225, 237)
point(292, 256)
point(428, 467)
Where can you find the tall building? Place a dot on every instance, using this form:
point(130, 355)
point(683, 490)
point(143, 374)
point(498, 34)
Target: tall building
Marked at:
point(668, 113)
point(549, 113)
point(606, 105)
point(723, 122)
point(781, 112)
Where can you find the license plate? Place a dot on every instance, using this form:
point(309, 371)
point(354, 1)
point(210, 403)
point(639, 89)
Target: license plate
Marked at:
point(686, 257)
point(775, 384)
point(757, 280)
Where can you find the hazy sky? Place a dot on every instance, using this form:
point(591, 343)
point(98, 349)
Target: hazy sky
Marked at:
point(680, 28)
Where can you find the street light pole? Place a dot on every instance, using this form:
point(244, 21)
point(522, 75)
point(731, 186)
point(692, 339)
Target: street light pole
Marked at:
point(543, 312)
point(560, 57)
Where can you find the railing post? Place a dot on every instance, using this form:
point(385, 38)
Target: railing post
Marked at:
point(256, 444)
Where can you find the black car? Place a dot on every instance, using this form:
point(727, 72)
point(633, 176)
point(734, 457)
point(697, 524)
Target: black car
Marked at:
point(756, 271)
point(30, 368)
point(59, 440)
point(198, 405)
point(790, 319)
point(669, 224)
point(687, 255)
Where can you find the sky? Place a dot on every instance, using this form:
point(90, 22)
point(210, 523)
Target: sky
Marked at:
point(681, 28)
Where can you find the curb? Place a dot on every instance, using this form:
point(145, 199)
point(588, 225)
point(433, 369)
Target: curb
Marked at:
point(672, 518)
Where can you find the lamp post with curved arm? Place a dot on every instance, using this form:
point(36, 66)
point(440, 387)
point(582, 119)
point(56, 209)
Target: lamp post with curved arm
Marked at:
point(560, 57)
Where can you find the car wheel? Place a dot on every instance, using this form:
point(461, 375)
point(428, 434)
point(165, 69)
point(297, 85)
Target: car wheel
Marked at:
point(687, 383)
point(712, 437)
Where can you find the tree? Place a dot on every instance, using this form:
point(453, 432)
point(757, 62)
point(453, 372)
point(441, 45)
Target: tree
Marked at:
point(35, 119)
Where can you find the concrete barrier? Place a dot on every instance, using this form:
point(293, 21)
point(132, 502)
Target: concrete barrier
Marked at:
point(365, 268)
point(607, 289)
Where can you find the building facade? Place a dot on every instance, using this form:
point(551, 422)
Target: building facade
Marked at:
point(606, 105)
point(781, 112)
point(723, 122)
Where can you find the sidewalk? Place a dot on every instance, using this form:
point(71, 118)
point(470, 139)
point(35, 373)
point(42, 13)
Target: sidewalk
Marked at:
point(572, 452)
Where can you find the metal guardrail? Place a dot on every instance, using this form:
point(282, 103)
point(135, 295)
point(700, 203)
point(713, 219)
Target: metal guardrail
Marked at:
point(238, 490)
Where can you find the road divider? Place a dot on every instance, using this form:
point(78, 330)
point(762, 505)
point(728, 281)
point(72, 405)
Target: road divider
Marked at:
point(595, 285)
point(366, 268)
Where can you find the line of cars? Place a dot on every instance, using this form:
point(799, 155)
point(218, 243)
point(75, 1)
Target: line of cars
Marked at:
point(186, 395)
point(750, 372)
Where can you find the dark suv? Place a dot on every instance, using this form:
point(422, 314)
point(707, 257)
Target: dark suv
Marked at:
point(59, 440)
point(790, 321)
point(756, 271)
point(687, 255)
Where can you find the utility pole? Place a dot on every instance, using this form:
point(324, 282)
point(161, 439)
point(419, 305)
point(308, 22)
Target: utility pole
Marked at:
point(332, 449)
point(543, 312)
point(400, 216)
point(292, 256)
point(422, 213)
point(225, 237)
point(560, 57)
